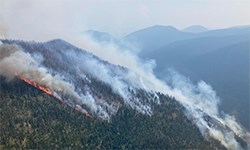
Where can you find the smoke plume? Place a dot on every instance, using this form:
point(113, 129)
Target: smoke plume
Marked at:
point(199, 100)
point(14, 60)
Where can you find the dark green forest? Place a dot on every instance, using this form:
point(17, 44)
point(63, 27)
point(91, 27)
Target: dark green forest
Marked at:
point(31, 119)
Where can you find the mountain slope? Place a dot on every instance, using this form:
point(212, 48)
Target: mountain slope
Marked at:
point(221, 61)
point(180, 53)
point(227, 70)
point(30, 119)
point(101, 91)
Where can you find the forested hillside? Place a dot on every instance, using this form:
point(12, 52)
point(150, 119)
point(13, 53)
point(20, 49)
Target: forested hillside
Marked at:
point(31, 119)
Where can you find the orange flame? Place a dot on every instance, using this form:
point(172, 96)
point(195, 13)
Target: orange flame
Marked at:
point(50, 92)
point(44, 89)
point(80, 109)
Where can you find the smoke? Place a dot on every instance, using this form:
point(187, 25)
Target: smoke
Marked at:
point(200, 100)
point(14, 60)
point(118, 79)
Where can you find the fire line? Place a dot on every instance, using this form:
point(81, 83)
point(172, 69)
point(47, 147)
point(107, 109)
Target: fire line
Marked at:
point(50, 92)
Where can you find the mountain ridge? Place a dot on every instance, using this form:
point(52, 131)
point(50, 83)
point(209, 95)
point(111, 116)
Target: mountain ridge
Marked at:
point(154, 37)
point(84, 81)
point(195, 29)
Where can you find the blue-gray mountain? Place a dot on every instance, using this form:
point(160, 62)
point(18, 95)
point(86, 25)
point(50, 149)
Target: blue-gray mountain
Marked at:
point(101, 36)
point(219, 57)
point(195, 29)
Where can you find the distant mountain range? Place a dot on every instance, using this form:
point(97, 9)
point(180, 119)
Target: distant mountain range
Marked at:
point(201, 54)
point(155, 37)
point(227, 68)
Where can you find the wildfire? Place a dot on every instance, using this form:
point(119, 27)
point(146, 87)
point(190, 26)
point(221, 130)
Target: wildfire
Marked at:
point(44, 89)
point(50, 92)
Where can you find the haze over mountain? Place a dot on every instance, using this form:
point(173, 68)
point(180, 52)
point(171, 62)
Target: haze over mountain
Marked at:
point(101, 36)
point(195, 29)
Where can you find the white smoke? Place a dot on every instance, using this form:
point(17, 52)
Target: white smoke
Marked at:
point(14, 60)
point(119, 80)
point(198, 99)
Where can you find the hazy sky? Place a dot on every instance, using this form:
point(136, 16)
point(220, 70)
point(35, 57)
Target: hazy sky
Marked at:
point(41, 19)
